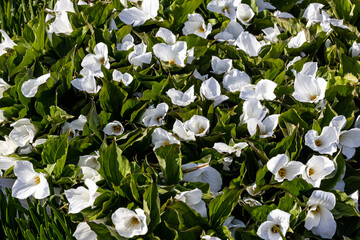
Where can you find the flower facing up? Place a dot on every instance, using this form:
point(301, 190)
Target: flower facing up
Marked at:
point(28, 182)
point(196, 25)
point(226, 7)
point(319, 219)
point(266, 127)
point(84, 232)
point(224, 148)
point(161, 137)
point(181, 132)
point(129, 223)
point(244, 13)
point(197, 124)
point(5, 44)
point(298, 40)
point(263, 90)
point(30, 87)
point(211, 90)
point(139, 56)
point(309, 89)
point(325, 143)
point(277, 221)
point(81, 198)
point(155, 116)
point(231, 33)
point(88, 82)
point(252, 108)
point(316, 169)
point(125, 78)
point(181, 99)
point(173, 54)
point(167, 35)
point(136, 17)
point(193, 199)
point(23, 132)
point(249, 44)
point(235, 80)
point(3, 87)
point(93, 62)
point(193, 172)
point(283, 169)
point(220, 66)
point(114, 128)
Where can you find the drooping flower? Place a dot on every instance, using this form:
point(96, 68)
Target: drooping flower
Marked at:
point(129, 223)
point(231, 33)
point(193, 199)
point(277, 221)
point(181, 99)
point(244, 13)
point(309, 89)
point(81, 198)
point(84, 232)
point(226, 7)
point(298, 40)
point(183, 133)
point(266, 127)
point(325, 143)
point(211, 90)
point(263, 90)
point(114, 128)
point(196, 25)
point(197, 124)
point(137, 17)
point(125, 78)
point(319, 219)
point(167, 35)
point(155, 116)
point(161, 137)
point(220, 66)
point(28, 182)
point(23, 132)
point(139, 56)
point(193, 172)
point(30, 87)
point(249, 44)
point(316, 169)
point(173, 54)
point(5, 44)
point(283, 169)
point(235, 80)
point(3, 87)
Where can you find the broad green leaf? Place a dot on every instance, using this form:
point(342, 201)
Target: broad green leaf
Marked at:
point(152, 206)
point(169, 158)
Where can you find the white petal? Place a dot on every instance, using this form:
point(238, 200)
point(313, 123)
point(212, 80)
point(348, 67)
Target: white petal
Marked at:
point(150, 7)
point(166, 35)
point(277, 162)
point(338, 122)
point(84, 232)
point(325, 199)
point(298, 40)
point(30, 87)
point(133, 16)
point(42, 189)
point(181, 132)
point(327, 225)
point(350, 138)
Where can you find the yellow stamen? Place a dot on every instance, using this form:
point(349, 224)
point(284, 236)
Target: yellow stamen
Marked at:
point(275, 228)
point(311, 171)
point(172, 62)
point(201, 130)
point(313, 97)
point(117, 128)
point(201, 29)
point(37, 180)
point(318, 142)
point(282, 172)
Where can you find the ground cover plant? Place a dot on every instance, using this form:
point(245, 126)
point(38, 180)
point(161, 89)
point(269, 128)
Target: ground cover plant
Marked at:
point(158, 119)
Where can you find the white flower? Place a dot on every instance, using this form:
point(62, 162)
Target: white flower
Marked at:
point(226, 7)
point(93, 62)
point(316, 169)
point(90, 161)
point(28, 182)
point(193, 172)
point(244, 13)
point(126, 43)
point(7, 147)
point(251, 189)
point(155, 116)
point(86, 83)
point(232, 224)
point(309, 89)
point(196, 25)
point(262, 5)
point(211, 90)
point(235, 80)
point(283, 169)
point(226, 161)
point(3, 87)
point(252, 108)
point(181, 99)
point(224, 148)
point(220, 66)
point(30, 87)
point(166, 35)
point(298, 40)
point(75, 126)
point(81, 198)
point(193, 199)
point(325, 143)
point(280, 14)
point(308, 69)
point(208, 237)
point(197, 75)
point(114, 128)
point(6, 43)
point(276, 221)
point(271, 33)
point(2, 117)
point(266, 127)
point(173, 54)
point(190, 55)
point(90, 173)
point(319, 219)
point(183, 133)
point(129, 223)
point(313, 13)
point(136, 17)
point(249, 44)
point(84, 232)
point(23, 133)
point(252, 202)
point(7, 162)
point(231, 33)
point(355, 49)
point(139, 56)
point(355, 197)
point(61, 24)
point(263, 90)
point(199, 125)
point(125, 78)
point(296, 59)
point(161, 137)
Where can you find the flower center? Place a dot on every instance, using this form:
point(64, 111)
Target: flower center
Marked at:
point(166, 143)
point(311, 171)
point(313, 97)
point(117, 128)
point(275, 228)
point(317, 209)
point(226, 9)
point(71, 134)
point(318, 142)
point(37, 180)
point(134, 221)
point(172, 62)
point(201, 130)
point(102, 60)
point(158, 118)
point(282, 172)
point(201, 29)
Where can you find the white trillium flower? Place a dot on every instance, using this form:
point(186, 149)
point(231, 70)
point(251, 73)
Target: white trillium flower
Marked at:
point(5, 44)
point(28, 182)
point(173, 54)
point(196, 25)
point(226, 7)
point(235, 80)
point(86, 83)
point(271, 33)
point(325, 143)
point(167, 35)
point(197, 124)
point(319, 219)
point(7, 162)
point(263, 90)
point(75, 127)
point(129, 223)
point(197, 75)
point(313, 13)
point(193, 172)
point(81, 198)
point(249, 44)
point(280, 14)
point(90, 161)
point(190, 55)
point(7, 147)
point(226, 161)
point(277, 221)
point(84, 232)
point(208, 237)
point(244, 13)
point(251, 202)
point(181, 99)
point(251, 189)
point(161, 137)
point(61, 24)
point(93, 62)
point(211, 90)
point(114, 128)
point(308, 69)
point(3, 87)
point(232, 224)
point(355, 49)
point(231, 33)
point(266, 127)
point(317, 168)
point(183, 133)
point(283, 169)
point(355, 197)
point(296, 59)
point(220, 66)
point(193, 199)
point(155, 116)
point(23, 133)
point(30, 87)
point(262, 5)
point(309, 89)
point(252, 108)
point(139, 56)
point(126, 43)
point(298, 40)
point(125, 78)
point(90, 173)
point(137, 17)
point(224, 148)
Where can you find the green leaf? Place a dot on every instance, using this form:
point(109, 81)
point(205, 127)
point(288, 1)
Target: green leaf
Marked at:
point(180, 10)
point(112, 98)
point(345, 206)
point(169, 158)
point(152, 206)
point(296, 186)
